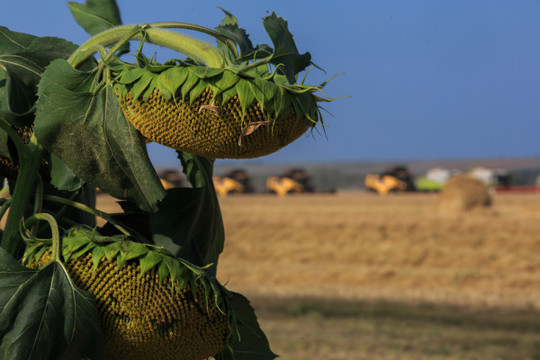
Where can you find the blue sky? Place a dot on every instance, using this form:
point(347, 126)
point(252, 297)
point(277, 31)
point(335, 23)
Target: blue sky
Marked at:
point(425, 79)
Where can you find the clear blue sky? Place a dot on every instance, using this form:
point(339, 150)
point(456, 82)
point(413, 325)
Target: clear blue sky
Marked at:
point(426, 79)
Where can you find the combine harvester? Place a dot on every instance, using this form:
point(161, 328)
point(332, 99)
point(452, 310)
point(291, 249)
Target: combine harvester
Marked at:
point(396, 179)
point(292, 181)
point(434, 179)
point(171, 178)
point(236, 181)
point(499, 180)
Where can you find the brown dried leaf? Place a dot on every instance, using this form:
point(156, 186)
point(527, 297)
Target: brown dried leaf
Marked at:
point(250, 129)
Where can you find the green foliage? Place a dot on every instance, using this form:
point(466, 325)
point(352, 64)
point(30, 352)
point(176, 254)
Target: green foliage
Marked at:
point(86, 128)
point(188, 221)
point(23, 59)
point(95, 16)
point(62, 177)
point(44, 316)
point(251, 343)
point(286, 55)
point(191, 218)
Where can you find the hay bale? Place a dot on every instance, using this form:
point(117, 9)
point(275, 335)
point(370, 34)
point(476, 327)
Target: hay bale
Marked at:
point(463, 193)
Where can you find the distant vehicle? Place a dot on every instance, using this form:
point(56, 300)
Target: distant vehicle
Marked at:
point(171, 178)
point(292, 181)
point(396, 179)
point(236, 181)
point(434, 179)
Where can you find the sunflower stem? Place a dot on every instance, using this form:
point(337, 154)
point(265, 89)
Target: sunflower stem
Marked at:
point(200, 51)
point(95, 212)
point(55, 233)
point(30, 156)
point(38, 202)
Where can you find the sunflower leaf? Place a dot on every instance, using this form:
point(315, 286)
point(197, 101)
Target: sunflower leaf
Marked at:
point(251, 344)
point(88, 131)
point(229, 28)
point(285, 51)
point(43, 315)
point(23, 59)
point(95, 16)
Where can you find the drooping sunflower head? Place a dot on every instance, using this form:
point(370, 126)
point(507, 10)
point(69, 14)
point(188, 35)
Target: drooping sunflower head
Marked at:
point(235, 100)
point(152, 305)
point(216, 114)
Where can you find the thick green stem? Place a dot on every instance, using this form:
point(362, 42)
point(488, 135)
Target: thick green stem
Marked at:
point(77, 205)
point(55, 233)
point(188, 26)
point(30, 161)
point(179, 25)
point(200, 51)
point(38, 201)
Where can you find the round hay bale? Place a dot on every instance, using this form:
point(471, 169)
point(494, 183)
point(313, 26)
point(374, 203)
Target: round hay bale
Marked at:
point(463, 193)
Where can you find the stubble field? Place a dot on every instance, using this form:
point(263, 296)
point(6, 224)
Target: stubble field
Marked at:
point(357, 276)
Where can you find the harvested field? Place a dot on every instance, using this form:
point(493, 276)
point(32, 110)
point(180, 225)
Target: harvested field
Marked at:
point(361, 246)
point(357, 276)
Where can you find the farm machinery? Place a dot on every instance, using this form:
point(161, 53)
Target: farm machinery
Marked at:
point(171, 178)
point(395, 179)
point(236, 181)
point(291, 181)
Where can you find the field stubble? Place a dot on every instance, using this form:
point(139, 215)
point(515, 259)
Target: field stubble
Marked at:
point(360, 246)
point(357, 276)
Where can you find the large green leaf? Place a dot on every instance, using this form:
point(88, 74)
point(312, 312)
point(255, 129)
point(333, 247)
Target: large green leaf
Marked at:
point(207, 234)
point(251, 342)
point(12, 42)
point(62, 177)
point(18, 102)
point(285, 51)
point(23, 59)
point(188, 222)
point(87, 130)
point(44, 316)
point(95, 16)
point(229, 27)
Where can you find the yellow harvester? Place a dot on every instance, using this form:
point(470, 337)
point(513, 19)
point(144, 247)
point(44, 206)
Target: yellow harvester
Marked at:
point(234, 182)
point(396, 179)
point(292, 181)
point(171, 178)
